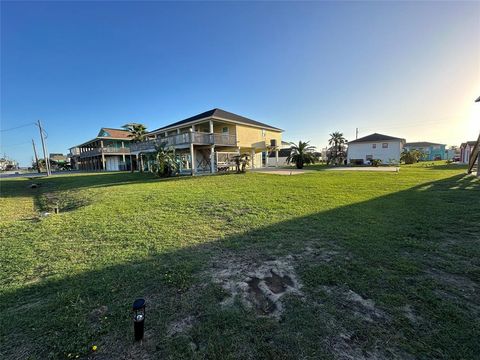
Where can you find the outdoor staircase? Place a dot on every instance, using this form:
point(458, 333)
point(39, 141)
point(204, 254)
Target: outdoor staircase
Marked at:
point(474, 155)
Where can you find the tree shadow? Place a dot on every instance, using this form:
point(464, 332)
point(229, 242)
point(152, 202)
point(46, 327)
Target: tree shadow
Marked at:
point(381, 249)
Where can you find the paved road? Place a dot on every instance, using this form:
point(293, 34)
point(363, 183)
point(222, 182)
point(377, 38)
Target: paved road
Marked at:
point(33, 174)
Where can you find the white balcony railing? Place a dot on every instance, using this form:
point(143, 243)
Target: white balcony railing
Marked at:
point(104, 150)
point(178, 140)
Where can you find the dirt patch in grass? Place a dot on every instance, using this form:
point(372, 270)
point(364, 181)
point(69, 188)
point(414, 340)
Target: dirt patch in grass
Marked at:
point(458, 282)
point(350, 326)
point(358, 305)
point(457, 289)
point(260, 286)
point(97, 315)
point(181, 326)
point(410, 314)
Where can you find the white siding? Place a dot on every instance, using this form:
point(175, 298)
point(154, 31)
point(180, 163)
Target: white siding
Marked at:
point(364, 149)
point(282, 161)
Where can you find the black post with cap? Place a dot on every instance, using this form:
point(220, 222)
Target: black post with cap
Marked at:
point(139, 318)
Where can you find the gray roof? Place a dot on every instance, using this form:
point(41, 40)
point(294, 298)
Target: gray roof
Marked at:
point(218, 113)
point(375, 137)
point(422, 144)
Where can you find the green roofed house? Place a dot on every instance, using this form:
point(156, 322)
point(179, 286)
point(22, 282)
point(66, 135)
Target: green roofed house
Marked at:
point(108, 151)
point(431, 151)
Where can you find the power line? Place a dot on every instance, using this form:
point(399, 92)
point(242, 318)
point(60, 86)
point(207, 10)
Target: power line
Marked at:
point(17, 127)
point(14, 145)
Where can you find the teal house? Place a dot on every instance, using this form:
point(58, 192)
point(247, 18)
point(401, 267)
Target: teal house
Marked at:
point(431, 151)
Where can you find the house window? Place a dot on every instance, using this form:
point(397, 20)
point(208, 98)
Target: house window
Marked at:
point(225, 129)
point(374, 146)
point(264, 133)
point(385, 145)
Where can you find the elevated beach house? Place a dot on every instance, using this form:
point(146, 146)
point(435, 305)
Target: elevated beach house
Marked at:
point(431, 151)
point(108, 151)
point(375, 146)
point(207, 142)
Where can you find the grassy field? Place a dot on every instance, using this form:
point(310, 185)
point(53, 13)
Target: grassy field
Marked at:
point(255, 266)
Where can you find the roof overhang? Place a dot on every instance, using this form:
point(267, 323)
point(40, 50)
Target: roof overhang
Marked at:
point(101, 138)
point(198, 121)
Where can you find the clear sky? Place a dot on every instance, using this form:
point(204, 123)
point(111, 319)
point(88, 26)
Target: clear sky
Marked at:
point(404, 69)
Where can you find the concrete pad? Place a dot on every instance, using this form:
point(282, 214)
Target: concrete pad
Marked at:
point(281, 171)
point(365, 168)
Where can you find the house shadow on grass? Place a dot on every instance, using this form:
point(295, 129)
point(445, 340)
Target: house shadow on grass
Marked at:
point(21, 186)
point(386, 277)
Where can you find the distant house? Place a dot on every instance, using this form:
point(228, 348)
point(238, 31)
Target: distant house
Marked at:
point(375, 146)
point(57, 157)
point(7, 164)
point(109, 150)
point(466, 150)
point(58, 161)
point(431, 151)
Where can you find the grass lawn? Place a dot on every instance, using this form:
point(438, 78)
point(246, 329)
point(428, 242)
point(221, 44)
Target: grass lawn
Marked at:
point(258, 266)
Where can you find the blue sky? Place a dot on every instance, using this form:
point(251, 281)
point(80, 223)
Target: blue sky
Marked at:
point(405, 69)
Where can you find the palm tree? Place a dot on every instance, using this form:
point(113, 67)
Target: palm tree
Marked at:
point(138, 133)
point(166, 162)
point(410, 156)
point(301, 154)
point(337, 143)
point(241, 162)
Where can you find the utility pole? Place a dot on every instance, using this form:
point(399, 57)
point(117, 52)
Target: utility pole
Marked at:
point(356, 133)
point(36, 156)
point(47, 160)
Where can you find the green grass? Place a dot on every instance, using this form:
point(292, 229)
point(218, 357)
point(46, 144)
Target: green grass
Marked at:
point(408, 243)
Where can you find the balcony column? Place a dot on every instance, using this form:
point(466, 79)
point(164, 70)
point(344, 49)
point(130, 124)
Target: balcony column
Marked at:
point(253, 158)
point(212, 159)
point(103, 156)
point(276, 158)
point(140, 162)
point(212, 147)
point(192, 151)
